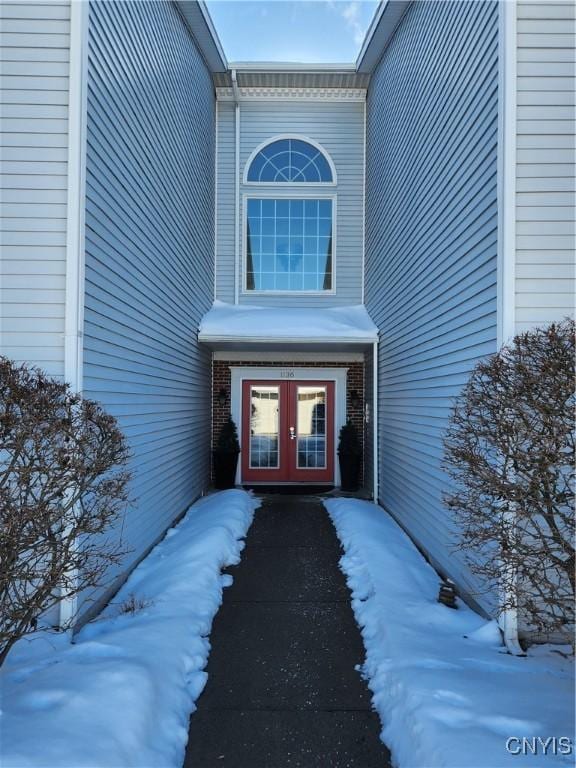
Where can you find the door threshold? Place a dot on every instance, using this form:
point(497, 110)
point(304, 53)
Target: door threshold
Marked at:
point(290, 488)
point(286, 484)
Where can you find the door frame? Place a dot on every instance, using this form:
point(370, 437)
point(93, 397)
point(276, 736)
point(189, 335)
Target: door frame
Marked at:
point(238, 374)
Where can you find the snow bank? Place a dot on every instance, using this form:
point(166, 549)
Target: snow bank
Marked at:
point(236, 322)
point(446, 693)
point(123, 693)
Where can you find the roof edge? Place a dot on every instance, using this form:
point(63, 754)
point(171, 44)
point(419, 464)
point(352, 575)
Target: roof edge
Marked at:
point(386, 19)
point(215, 338)
point(380, 32)
point(200, 25)
point(291, 66)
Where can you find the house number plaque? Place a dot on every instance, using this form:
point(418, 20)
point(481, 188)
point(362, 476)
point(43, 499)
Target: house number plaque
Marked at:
point(287, 373)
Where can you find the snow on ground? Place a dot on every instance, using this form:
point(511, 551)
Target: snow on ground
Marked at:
point(123, 693)
point(446, 692)
point(247, 321)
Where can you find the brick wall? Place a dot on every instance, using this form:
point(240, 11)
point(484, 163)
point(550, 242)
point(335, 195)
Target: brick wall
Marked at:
point(221, 380)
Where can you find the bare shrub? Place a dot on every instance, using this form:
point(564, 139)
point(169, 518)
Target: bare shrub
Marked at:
point(510, 451)
point(134, 604)
point(63, 484)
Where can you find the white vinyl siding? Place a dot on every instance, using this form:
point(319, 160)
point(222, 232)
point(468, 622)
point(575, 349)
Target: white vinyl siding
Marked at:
point(545, 178)
point(34, 62)
point(339, 128)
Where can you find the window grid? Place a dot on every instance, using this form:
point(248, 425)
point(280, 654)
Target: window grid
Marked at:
point(289, 244)
point(290, 160)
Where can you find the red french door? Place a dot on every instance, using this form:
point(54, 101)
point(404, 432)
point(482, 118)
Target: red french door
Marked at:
point(288, 431)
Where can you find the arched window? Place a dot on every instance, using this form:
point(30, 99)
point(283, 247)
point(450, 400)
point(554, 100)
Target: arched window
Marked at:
point(288, 240)
point(290, 160)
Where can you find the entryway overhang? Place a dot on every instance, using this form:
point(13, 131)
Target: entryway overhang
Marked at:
point(258, 328)
point(291, 378)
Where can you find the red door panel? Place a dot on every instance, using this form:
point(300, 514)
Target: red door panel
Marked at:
point(311, 417)
point(288, 431)
point(264, 425)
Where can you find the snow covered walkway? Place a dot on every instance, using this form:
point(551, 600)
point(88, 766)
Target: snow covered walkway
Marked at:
point(447, 694)
point(282, 685)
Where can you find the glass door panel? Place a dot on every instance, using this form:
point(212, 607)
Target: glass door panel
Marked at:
point(287, 432)
point(311, 427)
point(264, 427)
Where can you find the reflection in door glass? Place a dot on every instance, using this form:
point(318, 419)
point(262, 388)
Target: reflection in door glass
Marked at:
point(311, 415)
point(264, 427)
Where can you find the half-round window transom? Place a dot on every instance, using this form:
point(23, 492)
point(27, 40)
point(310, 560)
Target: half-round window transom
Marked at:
point(290, 160)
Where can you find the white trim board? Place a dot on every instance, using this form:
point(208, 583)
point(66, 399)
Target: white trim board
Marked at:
point(238, 374)
point(506, 194)
point(237, 181)
point(77, 116)
point(283, 356)
point(506, 186)
point(280, 93)
point(75, 225)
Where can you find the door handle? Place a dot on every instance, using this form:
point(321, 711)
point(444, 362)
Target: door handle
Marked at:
point(292, 433)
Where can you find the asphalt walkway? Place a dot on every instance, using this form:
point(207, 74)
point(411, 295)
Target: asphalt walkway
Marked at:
point(282, 685)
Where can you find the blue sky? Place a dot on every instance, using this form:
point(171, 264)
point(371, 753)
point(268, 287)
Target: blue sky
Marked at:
point(298, 30)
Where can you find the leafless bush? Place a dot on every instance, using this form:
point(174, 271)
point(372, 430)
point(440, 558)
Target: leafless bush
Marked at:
point(134, 604)
point(510, 451)
point(63, 484)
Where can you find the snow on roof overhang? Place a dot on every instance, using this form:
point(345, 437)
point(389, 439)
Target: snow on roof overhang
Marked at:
point(381, 30)
point(237, 323)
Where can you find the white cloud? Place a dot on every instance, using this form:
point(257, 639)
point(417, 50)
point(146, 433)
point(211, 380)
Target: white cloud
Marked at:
point(350, 12)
